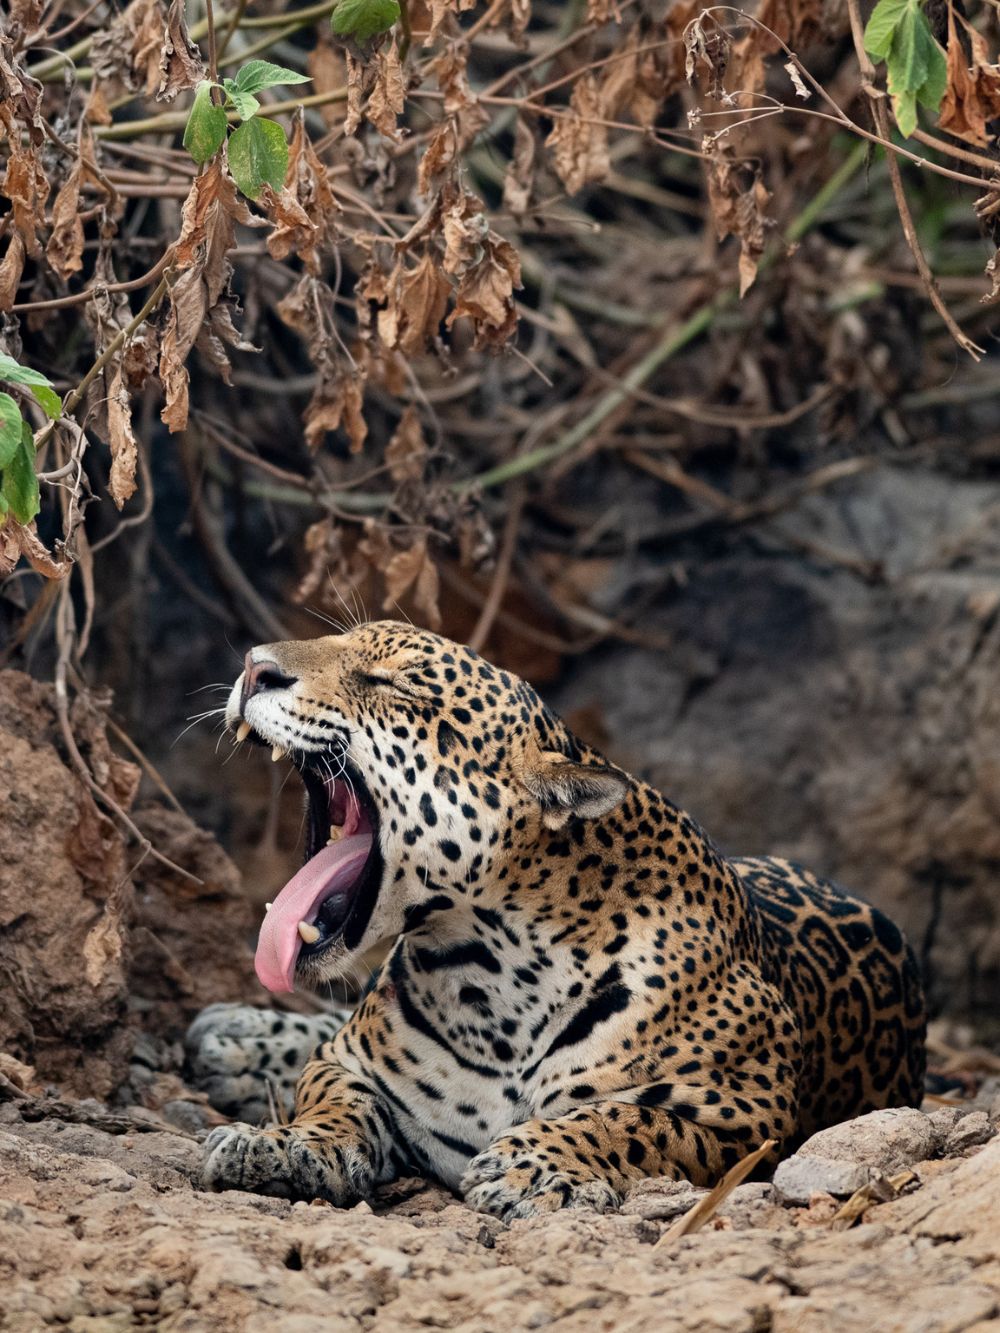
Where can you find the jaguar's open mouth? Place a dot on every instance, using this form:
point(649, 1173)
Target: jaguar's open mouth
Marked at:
point(332, 896)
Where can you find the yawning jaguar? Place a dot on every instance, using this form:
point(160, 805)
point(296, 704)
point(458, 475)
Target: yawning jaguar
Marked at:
point(582, 991)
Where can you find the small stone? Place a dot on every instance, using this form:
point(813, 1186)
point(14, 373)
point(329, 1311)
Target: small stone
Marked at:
point(799, 1177)
point(660, 1200)
point(890, 1140)
point(943, 1120)
point(971, 1131)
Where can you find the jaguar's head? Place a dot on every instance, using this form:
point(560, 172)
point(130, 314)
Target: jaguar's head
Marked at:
point(428, 773)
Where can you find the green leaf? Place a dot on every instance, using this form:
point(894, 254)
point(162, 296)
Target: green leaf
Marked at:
point(931, 92)
point(4, 506)
point(20, 485)
point(258, 155)
point(364, 19)
point(881, 27)
point(905, 110)
point(245, 103)
point(41, 387)
point(899, 34)
point(258, 74)
point(206, 125)
point(10, 428)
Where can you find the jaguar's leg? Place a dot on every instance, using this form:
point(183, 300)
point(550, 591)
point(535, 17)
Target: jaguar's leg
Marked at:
point(589, 1158)
point(235, 1051)
point(338, 1146)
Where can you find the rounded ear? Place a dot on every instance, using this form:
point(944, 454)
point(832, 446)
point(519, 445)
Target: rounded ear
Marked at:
point(566, 789)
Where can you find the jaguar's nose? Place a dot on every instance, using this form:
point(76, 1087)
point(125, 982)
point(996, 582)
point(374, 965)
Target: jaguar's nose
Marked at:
point(258, 677)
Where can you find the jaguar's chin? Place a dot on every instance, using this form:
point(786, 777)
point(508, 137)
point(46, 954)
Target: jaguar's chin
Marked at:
point(323, 911)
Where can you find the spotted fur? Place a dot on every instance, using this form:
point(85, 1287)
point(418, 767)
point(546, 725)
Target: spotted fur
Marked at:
point(584, 991)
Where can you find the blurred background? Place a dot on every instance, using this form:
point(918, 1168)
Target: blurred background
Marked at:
point(607, 337)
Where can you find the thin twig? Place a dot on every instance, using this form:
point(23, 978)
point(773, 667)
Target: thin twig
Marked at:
point(66, 635)
point(501, 574)
point(706, 1208)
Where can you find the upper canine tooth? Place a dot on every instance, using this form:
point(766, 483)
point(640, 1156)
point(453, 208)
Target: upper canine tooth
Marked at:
point(309, 933)
point(268, 906)
point(277, 753)
point(243, 731)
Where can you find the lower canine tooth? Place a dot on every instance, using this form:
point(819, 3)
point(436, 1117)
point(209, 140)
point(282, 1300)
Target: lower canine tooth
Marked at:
point(268, 906)
point(277, 753)
point(336, 833)
point(309, 933)
point(243, 731)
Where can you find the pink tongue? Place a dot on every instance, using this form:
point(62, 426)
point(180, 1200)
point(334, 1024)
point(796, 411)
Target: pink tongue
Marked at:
point(332, 870)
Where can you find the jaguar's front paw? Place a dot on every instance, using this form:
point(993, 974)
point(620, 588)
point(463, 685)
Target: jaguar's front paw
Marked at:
point(236, 1053)
point(287, 1161)
point(509, 1181)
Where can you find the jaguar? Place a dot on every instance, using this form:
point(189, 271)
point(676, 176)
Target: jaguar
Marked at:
point(582, 990)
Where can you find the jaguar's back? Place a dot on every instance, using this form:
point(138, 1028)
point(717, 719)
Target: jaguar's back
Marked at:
point(853, 981)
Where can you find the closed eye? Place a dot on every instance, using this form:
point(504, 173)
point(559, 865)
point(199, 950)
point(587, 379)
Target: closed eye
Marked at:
point(394, 680)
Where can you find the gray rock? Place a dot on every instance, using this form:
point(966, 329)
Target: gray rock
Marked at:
point(971, 1131)
point(889, 1140)
point(661, 1200)
point(943, 1120)
point(801, 1176)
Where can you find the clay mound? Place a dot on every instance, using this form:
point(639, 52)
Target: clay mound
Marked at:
point(85, 959)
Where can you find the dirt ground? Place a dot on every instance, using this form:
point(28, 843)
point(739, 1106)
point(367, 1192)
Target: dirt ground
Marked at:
point(107, 1232)
point(103, 1227)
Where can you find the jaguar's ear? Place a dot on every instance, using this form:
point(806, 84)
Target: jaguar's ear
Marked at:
point(568, 790)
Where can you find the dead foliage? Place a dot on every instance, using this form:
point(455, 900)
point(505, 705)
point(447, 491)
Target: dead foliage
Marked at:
point(509, 242)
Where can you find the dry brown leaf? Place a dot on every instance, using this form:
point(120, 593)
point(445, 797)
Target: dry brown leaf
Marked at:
point(738, 209)
point(199, 303)
point(17, 539)
point(413, 569)
point(293, 231)
point(520, 176)
point(181, 65)
point(21, 94)
point(465, 227)
point(299, 309)
point(463, 116)
point(388, 95)
point(518, 18)
point(417, 299)
point(217, 333)
point(426, 592)
point(97, 111)
point(972, 93)
point(24, 183)
point(11, 268)
point(321, 543)
point(24, 16)
point(486, 294)
point(707, 48)
point(358, 76)
point(121, 438)
point(198, 211)
point(578, 142)
point(487, 267)
point(125, 55)
point(406, 453)
point(603, 11)
point(443, 15)
point(65, 248)
point(337, 403)
point(308, 182)
point(993, 273)
point(795, 22)
point(185, 315)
